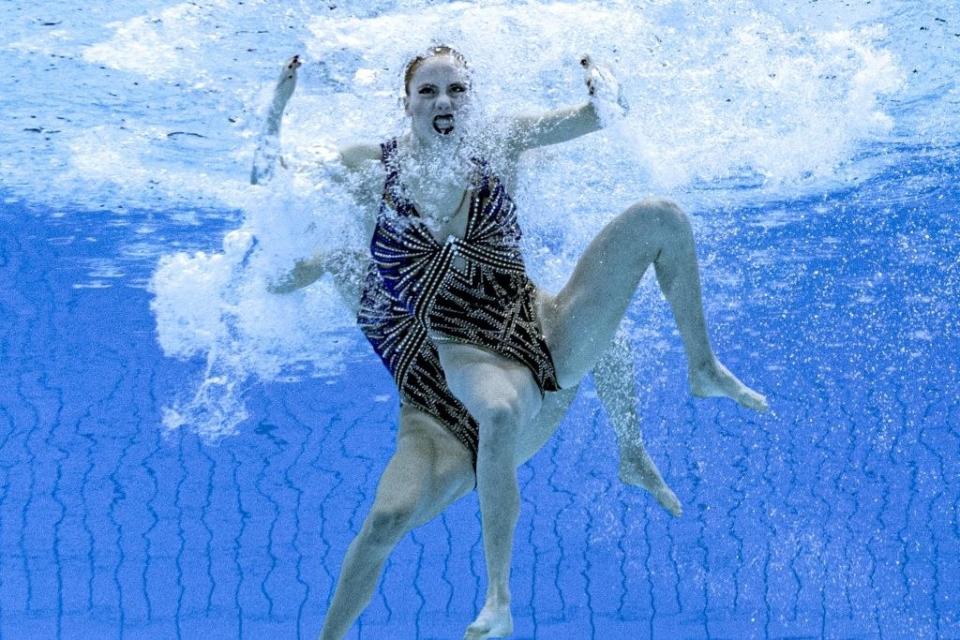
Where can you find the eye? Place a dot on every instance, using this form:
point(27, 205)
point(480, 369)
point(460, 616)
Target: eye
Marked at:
point(426, 91)
point(458, 88)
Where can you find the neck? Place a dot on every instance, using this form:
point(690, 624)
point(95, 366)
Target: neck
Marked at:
point(435, 150)
point(442, 159)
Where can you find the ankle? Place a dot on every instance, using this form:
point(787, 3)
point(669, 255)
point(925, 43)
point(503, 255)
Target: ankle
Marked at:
point(703, 364)
point(498, 598)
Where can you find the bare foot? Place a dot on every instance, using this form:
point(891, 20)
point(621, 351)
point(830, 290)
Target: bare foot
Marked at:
point(715, 380)
point(494, 621)
point(640, 471)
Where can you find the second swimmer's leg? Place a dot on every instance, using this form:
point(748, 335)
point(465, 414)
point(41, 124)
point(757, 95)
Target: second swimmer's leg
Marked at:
point(582, 318)
point(503, 398)
point(617, 389)
point(428, 472)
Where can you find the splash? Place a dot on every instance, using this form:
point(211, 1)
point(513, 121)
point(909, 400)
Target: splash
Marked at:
point(723, 93)
point(731, 103)
point(725, 108)
point(218, 307)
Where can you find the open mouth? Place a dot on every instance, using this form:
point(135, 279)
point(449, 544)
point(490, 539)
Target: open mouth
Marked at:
point(443, 124)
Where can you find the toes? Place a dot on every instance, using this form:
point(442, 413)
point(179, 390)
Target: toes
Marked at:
point(669, 501)
point(476, 631)
point(675, 507)
point(753, 400)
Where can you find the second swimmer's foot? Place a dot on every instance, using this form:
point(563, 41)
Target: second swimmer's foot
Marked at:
point(494, 621)
point(634, 474)
point(638, 470)
point(715, 380)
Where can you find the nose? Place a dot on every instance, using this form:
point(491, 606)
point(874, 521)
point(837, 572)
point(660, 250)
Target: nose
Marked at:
point(443, 102)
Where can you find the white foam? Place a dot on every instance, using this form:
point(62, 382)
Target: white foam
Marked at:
point(806, 93)
point(162, 45)
point(216, 305)
point(731, 103)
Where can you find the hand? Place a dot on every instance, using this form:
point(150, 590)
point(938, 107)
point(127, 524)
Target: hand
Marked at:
point(605, 92)
point(294, 63)
point(287, 81)
point(590, 73)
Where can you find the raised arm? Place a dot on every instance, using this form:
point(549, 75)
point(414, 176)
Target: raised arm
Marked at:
point(354, 159)
point(268, 145)
point(616, 387)
point(265, 160)
point(351, 167)
point(568, 123)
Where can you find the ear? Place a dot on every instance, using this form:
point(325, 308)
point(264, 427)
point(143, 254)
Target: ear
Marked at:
point(406, 104)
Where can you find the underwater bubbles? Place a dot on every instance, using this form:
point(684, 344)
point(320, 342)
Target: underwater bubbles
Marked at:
point(730, 105)
point(216, 305)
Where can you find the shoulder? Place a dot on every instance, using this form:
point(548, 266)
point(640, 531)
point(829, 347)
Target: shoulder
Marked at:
point(356, 156)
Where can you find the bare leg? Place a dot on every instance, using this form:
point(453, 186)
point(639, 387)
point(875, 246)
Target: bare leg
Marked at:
point(431, 469)
point(428, 472)
point(616, 386)
point(503, 397)
point(583, 317)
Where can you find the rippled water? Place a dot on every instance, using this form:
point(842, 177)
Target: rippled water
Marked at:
point(815, 147)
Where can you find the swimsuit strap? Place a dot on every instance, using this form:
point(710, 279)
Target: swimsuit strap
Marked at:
point(485, 176)
point(392, 194)
point(391, 163)
point(388, 151)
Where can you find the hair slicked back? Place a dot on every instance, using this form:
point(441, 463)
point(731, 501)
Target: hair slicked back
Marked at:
point(431, 52)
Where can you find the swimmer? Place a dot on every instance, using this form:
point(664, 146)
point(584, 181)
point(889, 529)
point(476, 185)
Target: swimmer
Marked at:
point(499, 385)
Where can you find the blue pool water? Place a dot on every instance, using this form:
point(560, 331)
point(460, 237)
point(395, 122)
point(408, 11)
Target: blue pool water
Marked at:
point(832, 278)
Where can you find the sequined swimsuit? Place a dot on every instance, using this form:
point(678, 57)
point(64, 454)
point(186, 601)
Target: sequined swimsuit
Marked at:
point(473, 290)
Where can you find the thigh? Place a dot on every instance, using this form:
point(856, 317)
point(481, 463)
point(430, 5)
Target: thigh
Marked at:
point(581, 320)
point(429, 470)
point(499, 393)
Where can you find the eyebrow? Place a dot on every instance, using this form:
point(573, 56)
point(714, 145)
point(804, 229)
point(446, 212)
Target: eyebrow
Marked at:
point(430, 85)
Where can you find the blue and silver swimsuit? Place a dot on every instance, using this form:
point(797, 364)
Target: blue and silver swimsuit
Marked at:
point(473, 290)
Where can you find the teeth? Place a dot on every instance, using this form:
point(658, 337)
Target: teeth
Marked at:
point(443, 124)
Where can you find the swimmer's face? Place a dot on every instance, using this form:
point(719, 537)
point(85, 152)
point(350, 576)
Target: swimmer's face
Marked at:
point(436, 96)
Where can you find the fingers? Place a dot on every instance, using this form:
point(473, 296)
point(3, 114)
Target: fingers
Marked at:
point(601, 83)
point(290, 68)
point(587, 63)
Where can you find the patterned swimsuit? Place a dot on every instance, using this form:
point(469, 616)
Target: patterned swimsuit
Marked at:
point(473, 290)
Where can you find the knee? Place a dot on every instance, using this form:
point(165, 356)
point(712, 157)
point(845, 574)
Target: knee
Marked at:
point(386, 525)
point(499, 421)
point(656, 215)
